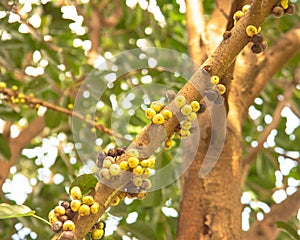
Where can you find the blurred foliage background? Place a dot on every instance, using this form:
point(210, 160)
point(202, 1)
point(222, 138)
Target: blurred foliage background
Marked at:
point(45, 50)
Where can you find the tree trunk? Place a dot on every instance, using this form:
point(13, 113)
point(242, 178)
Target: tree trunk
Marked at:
point(210, 207)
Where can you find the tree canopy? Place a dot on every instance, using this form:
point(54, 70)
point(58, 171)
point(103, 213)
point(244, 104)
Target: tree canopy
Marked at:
point(54, 53)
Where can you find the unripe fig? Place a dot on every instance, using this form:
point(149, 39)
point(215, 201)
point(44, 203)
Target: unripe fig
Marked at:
point(95, 208)
point(65, 204)
point(59, 210)
point(291, 9)
point(211, 95)
point(112, 152)
point(100, 157)
point(145, 163)
point(257, 39)
point(277, 11)
point(116, 201)
point(75, 193)
point(124, 165)
point(97, 234)
point(186, 110)
point(131, 152)
point(167, 114)
point(156, 106)
point(106, 163)
point(75, 204)
point(68, 225)
point(88, 200)
point(150, 113)
point(133, 162)
point(158, 119)
point(100, 225)
point(63, 218)
point(256, 49)
point(284, 4)
point(221, 89)
point(170, 94)
point(185, 125)
point(114, 169)
point(251, 30)
point(180, 101)
point(67, 235)
point(192, 116)
point(214, 80)
point(195, 106)
point(120, 151)
point(137, 181)
point(56, 226)
point(246, 8)
point(169, 143)
point(138, 170)
point(238, 15)
point(70, 213)
point(84, 210)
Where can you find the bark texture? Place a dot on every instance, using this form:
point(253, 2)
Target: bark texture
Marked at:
point(17, 144)
point(210, 207)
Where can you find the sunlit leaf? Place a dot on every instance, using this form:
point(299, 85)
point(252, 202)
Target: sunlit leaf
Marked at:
point(140, 230)
point(4, 148)
point(86, 182)
point(14, 211)
point(288, 229)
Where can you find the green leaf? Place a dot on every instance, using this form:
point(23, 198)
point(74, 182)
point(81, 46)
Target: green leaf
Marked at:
point(153, 199)
point(288, 229)
point(10, 115)
point(4, 148)
point(53, 118)
point(14, 211)
point(86, 182)
point(140, 230)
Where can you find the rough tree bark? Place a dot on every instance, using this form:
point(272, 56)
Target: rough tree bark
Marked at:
point(17, 144)
point(210, 207)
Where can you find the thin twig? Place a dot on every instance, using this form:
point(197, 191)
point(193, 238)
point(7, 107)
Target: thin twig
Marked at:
point(267, 228)
point(29, 100)
point(40, 37)
point(286, 155)
point(253, 152)
point(294, 109)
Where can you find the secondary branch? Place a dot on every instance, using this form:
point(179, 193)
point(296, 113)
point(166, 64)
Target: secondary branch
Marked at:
point(17, 144)
point(31, 101)
point(276, 117)
point(267, 228)
point(196, 30)
point(219, 61)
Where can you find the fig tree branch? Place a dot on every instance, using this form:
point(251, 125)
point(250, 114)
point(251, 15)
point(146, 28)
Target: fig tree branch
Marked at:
point(17, 144)
point(275, 58)
point(197, 39)
point(219, 61)
point(285, 155)
point(276, 117)
point(40, 37)
point(295, 109)
point(267, 229)
point(32, 101)
point(228, 49)
point(255, 71)
point(218, 22)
